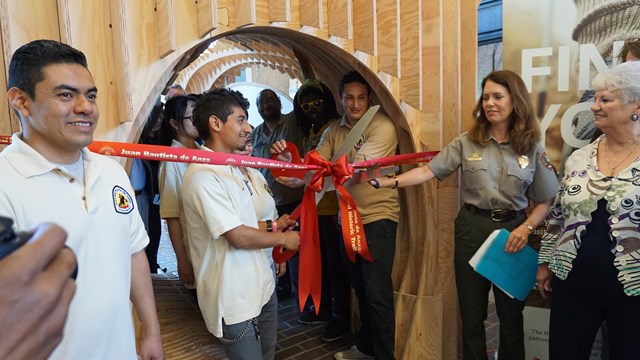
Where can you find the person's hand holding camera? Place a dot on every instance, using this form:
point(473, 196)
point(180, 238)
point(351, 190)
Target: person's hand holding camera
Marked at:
point(36, 287)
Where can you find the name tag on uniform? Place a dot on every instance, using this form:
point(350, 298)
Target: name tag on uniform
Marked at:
point(475, 157)
point(523, 161)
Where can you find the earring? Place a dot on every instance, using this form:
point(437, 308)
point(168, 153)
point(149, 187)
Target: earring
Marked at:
point(635, 117)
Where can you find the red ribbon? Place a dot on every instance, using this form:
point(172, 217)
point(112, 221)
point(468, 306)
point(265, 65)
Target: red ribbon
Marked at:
point(401, 159)
point(295, 159)
point(169, 153)
point(310, 281)
point(310, 265)
point(353, 235)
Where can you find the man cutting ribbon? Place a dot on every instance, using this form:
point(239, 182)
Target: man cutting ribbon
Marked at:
point(222, 205)
point(369, 263)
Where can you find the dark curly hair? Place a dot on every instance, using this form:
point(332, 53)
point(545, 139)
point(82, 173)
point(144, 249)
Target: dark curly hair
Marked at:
point(219, 102)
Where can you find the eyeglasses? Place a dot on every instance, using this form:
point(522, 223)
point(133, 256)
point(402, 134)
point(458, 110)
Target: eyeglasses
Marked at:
point(317, 104)
point(190, 118)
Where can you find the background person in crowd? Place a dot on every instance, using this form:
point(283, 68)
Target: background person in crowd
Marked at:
point(150, 135)
point(278, 126)
point(379, 211)
point(315, 110)
point(503, 166)
point(144, 178)
point(236, 287)
point(36, 289)
point(48, 175)
point(174, 90)
point(630, 51)
point(177, 130)
point(590, 254)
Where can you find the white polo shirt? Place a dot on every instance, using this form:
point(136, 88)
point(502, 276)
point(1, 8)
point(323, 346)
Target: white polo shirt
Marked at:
point(104, 230)
point(233, 284)
point(170, 180)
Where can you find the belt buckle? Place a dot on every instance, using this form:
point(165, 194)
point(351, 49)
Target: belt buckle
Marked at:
point(499, 215)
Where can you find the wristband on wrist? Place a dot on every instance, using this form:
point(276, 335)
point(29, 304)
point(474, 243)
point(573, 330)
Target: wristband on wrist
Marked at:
point(395, 179)
point(274, 225)
point(270, 226)
point(529, 227)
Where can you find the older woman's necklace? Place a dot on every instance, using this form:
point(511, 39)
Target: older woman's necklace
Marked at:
point(613, 168)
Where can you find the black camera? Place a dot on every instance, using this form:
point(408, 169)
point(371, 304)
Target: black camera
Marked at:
point(9, 240)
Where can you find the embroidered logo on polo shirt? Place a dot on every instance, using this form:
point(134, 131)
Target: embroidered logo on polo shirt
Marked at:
point(360, 142)
point(122, 201)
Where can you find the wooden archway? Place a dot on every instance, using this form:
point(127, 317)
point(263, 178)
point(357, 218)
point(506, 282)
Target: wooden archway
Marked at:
point(419, 56)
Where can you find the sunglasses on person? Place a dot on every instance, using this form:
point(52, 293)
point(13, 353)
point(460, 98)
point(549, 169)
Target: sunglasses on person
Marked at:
point(317, 104)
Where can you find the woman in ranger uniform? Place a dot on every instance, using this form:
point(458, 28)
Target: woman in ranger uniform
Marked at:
point(503, 167)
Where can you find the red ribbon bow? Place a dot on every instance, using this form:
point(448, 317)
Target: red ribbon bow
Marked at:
point(310, 279)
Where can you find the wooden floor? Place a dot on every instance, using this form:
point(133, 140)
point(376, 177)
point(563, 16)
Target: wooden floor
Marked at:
point(185, 336)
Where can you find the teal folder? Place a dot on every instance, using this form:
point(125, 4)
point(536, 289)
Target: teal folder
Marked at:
point(515, 274)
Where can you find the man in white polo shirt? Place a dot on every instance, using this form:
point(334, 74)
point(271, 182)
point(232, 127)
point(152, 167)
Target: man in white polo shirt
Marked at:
point(236, 286)
point(49, 175)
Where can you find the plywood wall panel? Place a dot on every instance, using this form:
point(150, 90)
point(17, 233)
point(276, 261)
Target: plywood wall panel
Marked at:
point(311, 13)
point(245, 12)
point(339, 18)
point(431, 76)
point(207, 16)
point(387, 36)
point(450, 71)
point(147, 71)
point(6, 127)
point(21, 22)
point(91, 34)
point(293, 11)
point(468, 64)
point(187, 30)
point(279, 10)
point(262, 12)
point(251, 12)
point(448, 201)
point(121, 52)
point(364, 25)
point(425, 335)
point(449, 194)
point(166, 28)
point(410, 53)
point(26, 20)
